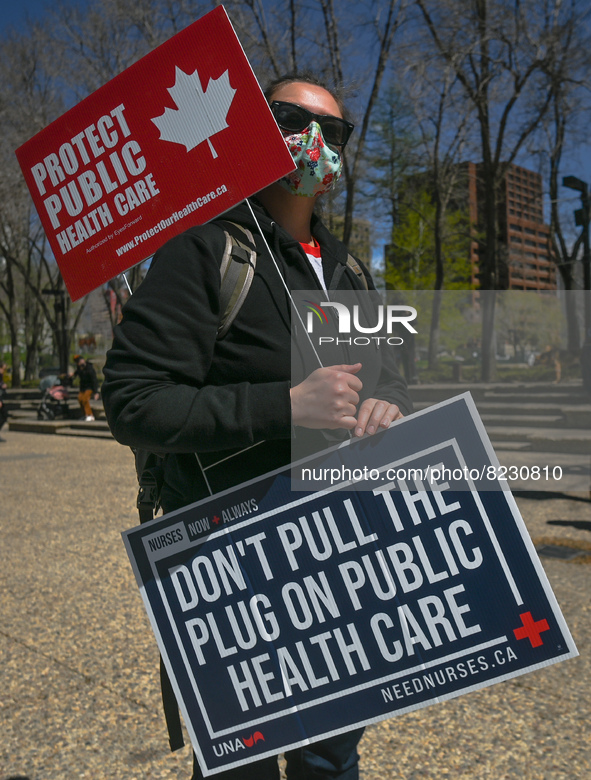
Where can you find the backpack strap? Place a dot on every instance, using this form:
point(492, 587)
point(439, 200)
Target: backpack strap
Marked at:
point(150, 471)
point(171, 710)
point(150, 475)
point(357, 270)
point(236, 271)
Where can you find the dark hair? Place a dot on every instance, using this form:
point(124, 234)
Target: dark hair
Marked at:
point(306, 77)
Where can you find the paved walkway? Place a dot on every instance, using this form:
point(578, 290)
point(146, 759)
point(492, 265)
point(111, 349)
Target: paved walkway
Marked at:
point(79, 691)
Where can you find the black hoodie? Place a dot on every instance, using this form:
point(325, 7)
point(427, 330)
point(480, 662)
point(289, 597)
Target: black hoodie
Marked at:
point(171, 387)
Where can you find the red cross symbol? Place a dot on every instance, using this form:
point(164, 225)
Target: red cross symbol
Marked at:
point(531, 629)
point(216, 519)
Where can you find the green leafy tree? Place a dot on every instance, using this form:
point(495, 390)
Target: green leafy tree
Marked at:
point(427, 247)
point(393, 154)
point(411, 255)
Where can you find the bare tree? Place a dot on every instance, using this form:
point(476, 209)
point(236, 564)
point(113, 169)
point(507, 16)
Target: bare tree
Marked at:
point(444, 121)
point(28, 101)
point(567, 68)
point(498, 51)
point(386, 21)
point(493, 60)
point(8, 306)
point(94, 43)
point(393, 153)
point(97, 41)
point(349, 44)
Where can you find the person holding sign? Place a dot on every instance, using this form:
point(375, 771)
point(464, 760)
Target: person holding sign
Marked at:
point(225, 410)
point(89, 386)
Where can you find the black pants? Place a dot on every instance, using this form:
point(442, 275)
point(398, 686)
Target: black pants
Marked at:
point(335, 758)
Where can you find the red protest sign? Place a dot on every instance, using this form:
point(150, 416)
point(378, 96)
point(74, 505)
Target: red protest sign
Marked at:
point(176, 139)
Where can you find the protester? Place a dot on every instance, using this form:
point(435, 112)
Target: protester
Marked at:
point(172, 386)
point(89, 386)
point(3, 394)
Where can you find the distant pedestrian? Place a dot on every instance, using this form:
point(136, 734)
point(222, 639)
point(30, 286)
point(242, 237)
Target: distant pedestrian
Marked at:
point(89, 387)
point(3, 394)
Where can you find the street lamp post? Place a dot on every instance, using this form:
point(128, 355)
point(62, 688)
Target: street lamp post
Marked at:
point(582, 218)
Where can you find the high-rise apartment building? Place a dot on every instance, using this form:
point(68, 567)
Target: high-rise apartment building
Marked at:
point(523, 234)
point(521, 224)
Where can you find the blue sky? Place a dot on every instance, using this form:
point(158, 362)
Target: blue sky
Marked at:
point(15, 12)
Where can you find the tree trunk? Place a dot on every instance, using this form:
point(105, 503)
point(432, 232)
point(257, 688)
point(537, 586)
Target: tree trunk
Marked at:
point(488, 345)
point(32, 352)
point(573, 333)
point(489, 273)
point(434, 329)
point(438, 292)
point(15, 352)
point(33, 331)
point(10, 311)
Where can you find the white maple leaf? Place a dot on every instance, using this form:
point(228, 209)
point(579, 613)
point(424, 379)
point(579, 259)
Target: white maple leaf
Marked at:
point(200, 114)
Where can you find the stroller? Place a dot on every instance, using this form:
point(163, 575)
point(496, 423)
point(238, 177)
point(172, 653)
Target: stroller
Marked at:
point(54, 403)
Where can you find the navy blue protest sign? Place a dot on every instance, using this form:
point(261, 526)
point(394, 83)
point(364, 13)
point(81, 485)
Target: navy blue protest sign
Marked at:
point(284, 617)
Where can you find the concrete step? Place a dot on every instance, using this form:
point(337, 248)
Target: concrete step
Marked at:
point(525, 395)
point(87, 432)
point(530, 414)
point(571, 386)
point(24, 394)
point(36, 426)
point(539, 388)
point(68, 427)
point(544, 439)
point(14, 407)
point(573, 416)
point(515, 408)
point(543, 392)
point(91, 425)
point(23, 414)
point(525, 419)
point(524, 406)
point(511, 446)
point(74, 411)
point(577, 417)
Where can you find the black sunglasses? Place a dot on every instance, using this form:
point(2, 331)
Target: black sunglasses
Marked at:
point(295, 119)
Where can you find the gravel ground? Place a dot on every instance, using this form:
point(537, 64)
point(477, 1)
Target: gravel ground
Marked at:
point(79, 692)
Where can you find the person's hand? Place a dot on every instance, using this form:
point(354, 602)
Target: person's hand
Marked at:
point(327, 398)
point(96, 396)
point(375, 415)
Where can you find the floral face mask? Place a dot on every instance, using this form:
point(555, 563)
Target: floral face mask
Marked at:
point(318, 166)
